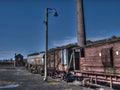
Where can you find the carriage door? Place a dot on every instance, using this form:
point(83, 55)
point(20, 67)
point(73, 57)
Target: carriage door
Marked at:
point(76, 59)
point(107, 59)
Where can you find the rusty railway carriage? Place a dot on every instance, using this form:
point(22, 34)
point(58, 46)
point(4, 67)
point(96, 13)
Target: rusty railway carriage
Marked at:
point(58, 63)
point(59, 59)
point(101, 61)
point(97, 61)
point(35, 62)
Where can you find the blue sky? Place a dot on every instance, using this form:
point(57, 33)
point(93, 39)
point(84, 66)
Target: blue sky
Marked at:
point(22, 28)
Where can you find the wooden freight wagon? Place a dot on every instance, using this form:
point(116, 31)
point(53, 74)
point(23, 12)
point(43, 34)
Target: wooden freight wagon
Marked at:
point(59, 58)
point(102, 61)
point(102, 57)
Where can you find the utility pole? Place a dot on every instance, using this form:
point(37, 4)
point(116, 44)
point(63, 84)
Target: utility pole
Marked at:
point(46, 44)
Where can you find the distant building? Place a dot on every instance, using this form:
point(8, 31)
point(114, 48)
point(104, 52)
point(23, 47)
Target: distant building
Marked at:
point(19, 60)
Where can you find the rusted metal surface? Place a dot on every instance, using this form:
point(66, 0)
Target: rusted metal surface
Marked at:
point(59, 58)
point(35, 62)
point(109, 78)
point(36, 59)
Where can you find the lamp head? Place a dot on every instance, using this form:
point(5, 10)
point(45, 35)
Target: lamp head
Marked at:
point(55, 14)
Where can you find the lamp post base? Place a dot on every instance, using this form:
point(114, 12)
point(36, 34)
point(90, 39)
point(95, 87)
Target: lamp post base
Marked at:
point(45, 79)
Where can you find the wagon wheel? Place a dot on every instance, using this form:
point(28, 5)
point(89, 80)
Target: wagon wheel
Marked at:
point(54, 75)
point(86, 83)
point(63, 76)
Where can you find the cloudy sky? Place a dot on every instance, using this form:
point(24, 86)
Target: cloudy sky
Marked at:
point(22, 27)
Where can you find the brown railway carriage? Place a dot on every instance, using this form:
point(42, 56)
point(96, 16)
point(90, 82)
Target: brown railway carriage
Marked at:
point(101, 61)
point(102, 58)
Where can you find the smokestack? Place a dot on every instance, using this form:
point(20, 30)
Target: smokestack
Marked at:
point(81, 26)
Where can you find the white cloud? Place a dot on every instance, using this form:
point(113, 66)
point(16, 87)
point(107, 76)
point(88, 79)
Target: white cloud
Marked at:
point(67, 40)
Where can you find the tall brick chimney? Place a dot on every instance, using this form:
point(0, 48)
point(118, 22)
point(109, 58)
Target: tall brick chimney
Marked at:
point(81, 25)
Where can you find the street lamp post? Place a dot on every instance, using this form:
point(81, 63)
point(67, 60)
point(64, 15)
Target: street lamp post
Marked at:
point(46, 44)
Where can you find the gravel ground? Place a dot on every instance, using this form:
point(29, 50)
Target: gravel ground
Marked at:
point(18, 78)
